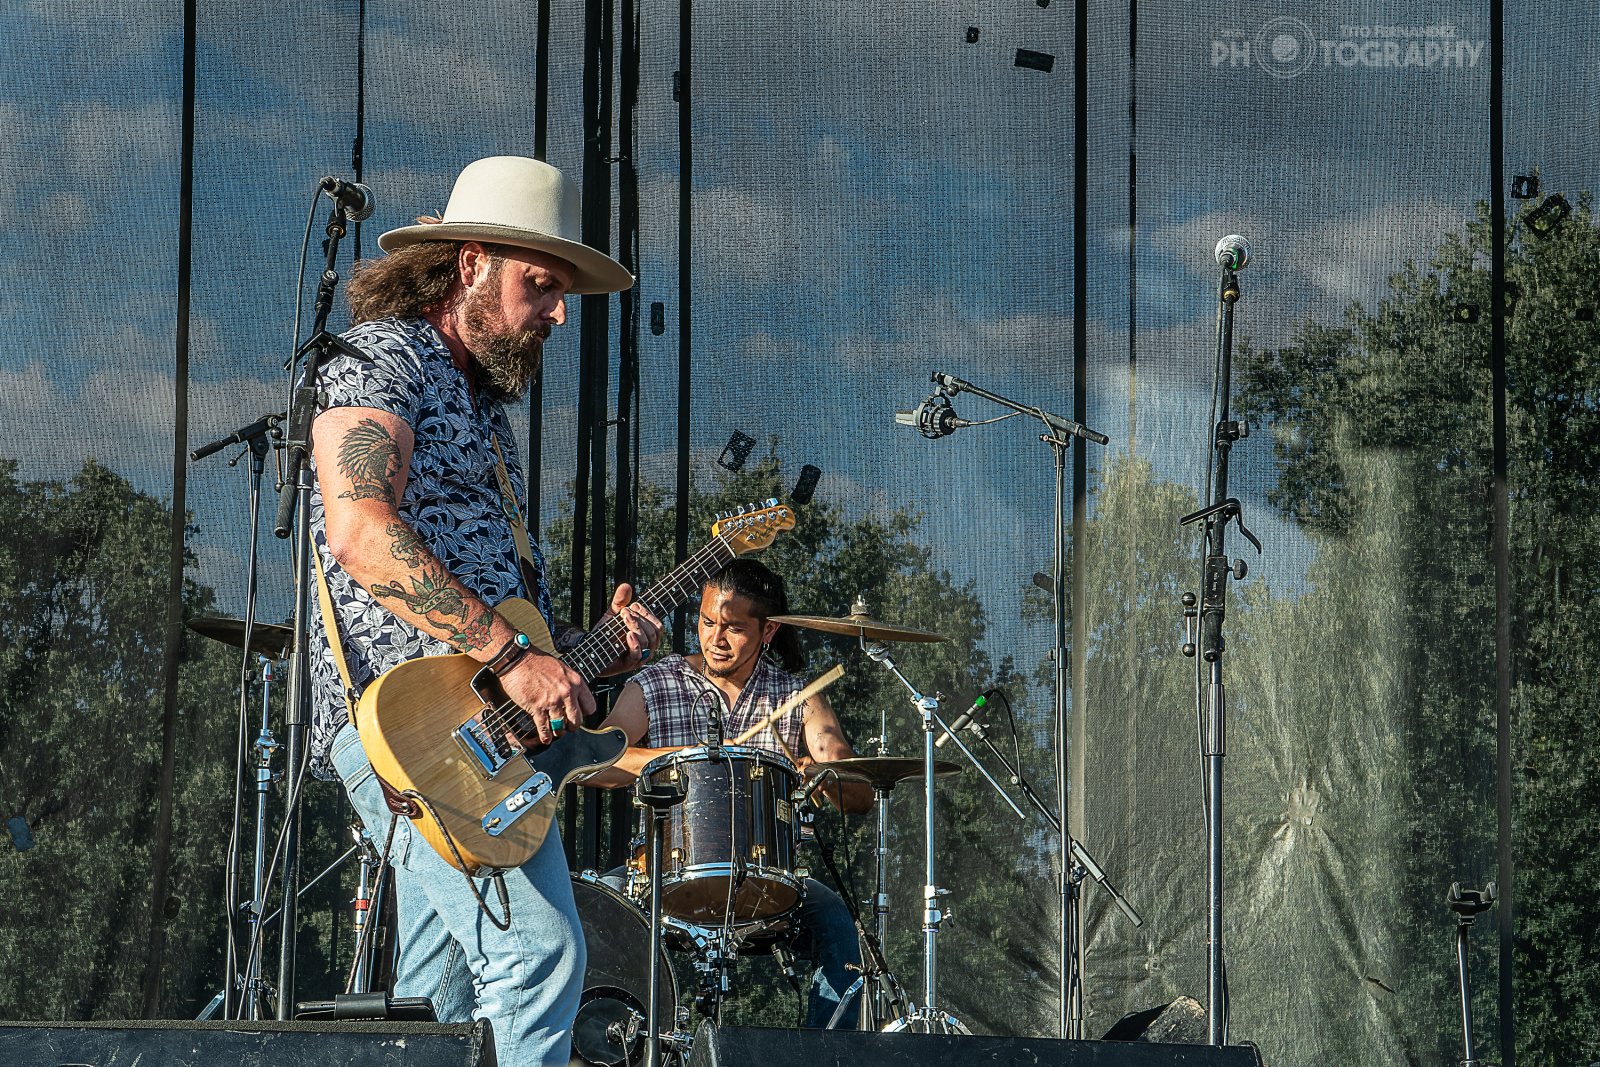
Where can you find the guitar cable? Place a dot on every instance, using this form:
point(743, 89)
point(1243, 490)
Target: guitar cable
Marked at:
point(498, 877)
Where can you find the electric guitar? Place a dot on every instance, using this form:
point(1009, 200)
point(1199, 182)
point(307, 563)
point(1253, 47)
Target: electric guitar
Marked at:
point(437, 726)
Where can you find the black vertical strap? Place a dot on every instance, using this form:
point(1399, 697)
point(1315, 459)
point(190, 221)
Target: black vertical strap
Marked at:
point(172, 646)
point(595, 332)
point(617, 802)
point(685, 198)
point(1080, 400)
point(541, 136)
point(1133, 225)
point(1501, 546)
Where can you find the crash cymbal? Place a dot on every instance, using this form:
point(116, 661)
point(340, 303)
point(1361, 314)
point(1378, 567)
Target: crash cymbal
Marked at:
point(859, 624)
point(882, 772)
point(269, 639)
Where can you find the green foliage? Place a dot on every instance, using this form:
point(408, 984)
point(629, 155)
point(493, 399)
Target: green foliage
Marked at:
point(83, 587)
point(1390, 417)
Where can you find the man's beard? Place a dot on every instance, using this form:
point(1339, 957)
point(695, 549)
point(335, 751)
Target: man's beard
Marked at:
point(506, 358)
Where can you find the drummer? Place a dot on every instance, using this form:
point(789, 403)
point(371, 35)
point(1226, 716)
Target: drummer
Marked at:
point(745, 670)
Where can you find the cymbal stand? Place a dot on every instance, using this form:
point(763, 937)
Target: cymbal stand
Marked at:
point(928, 1018)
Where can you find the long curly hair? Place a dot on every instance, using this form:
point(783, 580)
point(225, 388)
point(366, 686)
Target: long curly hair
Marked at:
point(405, 283)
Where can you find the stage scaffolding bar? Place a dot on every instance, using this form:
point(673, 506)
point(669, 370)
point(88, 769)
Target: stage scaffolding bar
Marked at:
point(684, 81)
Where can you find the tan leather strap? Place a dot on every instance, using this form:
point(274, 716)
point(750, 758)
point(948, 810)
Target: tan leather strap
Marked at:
point(330, 624)
point(509, 505)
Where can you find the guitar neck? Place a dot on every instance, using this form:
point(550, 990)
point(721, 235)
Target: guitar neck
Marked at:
point(607, 641)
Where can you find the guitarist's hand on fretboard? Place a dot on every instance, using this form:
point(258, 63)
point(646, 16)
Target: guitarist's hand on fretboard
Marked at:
point(643, 633)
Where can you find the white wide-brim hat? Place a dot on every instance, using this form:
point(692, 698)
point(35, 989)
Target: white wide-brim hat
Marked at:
point(514, 200)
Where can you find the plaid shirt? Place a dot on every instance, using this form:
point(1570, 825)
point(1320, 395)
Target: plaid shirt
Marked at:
point(677, 698)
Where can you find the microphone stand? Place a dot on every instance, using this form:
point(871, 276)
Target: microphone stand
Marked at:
point(294, 505)
point(256, 438)
point(1059, 433)
point(1220, 507)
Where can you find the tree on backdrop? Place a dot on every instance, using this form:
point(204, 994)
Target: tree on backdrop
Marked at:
point(1390, 413)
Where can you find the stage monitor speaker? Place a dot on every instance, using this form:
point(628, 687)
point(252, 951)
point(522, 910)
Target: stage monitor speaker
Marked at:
point(248, 1044)
point(741, 1046)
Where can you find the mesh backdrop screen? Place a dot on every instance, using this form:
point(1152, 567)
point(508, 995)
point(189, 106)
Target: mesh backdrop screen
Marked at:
point(879, 192)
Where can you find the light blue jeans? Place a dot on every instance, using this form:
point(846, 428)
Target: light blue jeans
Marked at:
point(525, 981)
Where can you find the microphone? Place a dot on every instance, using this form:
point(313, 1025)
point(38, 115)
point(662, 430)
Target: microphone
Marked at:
point(934, 417)
point(356, 199)
point(713, 725)
point(1233, 251)
point(964, 720)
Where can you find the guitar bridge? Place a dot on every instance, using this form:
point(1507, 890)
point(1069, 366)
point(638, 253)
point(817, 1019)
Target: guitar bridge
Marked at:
point(485, 750)
point(521, 801)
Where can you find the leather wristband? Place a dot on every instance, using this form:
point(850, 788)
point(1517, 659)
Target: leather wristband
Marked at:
point(509, 655)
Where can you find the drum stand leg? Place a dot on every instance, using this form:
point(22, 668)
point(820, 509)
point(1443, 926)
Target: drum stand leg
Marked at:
point(659, 799)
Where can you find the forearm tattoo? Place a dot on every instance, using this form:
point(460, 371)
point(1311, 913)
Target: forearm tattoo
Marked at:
point(432, 594)
point(369, 458)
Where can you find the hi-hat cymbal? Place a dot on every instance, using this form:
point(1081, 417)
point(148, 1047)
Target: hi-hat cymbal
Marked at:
point(862, 625)
point(267, 638)
point(882, 772)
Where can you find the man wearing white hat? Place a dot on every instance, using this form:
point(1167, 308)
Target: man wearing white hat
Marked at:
point(417, 524)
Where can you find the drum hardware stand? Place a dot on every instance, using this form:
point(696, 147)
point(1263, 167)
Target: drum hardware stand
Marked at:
point(659, 800)
point(936, 420)
point(888, 1000)
point(254, 986)
point(1212, 610)
point(372, 880)
point(928, 1018)
point(1467, 904)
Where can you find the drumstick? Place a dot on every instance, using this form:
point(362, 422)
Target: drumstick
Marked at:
point(827, 679)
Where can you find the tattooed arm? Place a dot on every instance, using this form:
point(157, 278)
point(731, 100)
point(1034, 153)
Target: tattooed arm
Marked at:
point(362, 456)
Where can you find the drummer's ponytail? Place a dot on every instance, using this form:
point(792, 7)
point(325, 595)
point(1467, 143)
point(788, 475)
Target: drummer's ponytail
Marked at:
point(757, 583)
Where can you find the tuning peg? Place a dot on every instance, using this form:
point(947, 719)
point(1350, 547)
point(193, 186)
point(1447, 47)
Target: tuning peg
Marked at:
point(772, 502)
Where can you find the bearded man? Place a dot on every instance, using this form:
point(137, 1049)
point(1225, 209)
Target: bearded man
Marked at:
point(416, 519)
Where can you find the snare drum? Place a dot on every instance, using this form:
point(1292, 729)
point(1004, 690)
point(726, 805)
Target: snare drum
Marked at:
point(728, 851)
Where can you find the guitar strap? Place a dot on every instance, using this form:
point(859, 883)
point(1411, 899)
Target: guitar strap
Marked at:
point(513, 514)
point(397, 801)
point(330, 625)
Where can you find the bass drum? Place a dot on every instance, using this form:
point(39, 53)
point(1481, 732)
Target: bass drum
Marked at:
point(608, 1031)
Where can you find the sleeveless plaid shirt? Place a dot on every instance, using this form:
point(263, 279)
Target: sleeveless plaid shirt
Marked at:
point(677, 698)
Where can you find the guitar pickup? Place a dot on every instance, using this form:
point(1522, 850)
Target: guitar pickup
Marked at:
point(521, 801)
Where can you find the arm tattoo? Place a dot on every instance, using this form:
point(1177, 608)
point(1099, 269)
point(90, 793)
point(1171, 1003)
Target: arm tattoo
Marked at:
point(369, 458)
point(407, 547)
point(431, 595)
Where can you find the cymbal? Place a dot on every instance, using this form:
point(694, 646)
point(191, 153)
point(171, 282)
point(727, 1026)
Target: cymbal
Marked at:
point(861, 625)
point(882, 772)
point(267, 638)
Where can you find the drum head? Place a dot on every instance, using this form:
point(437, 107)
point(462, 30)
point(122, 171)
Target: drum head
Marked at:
point(616, 983)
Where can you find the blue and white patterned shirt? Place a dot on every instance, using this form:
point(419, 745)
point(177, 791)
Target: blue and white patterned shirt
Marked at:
point(677, 697)
point(452, 500)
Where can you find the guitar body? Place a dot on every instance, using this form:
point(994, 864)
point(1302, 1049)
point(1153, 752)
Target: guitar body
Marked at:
point(485, 808)
point(408, 719)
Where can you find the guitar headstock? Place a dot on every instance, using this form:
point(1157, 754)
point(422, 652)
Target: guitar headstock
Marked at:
point(752, 528)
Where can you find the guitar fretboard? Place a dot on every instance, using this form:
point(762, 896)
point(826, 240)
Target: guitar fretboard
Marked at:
point(607, 641)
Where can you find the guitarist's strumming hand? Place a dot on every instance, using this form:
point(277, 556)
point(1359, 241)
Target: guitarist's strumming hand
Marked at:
point(545, 688)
